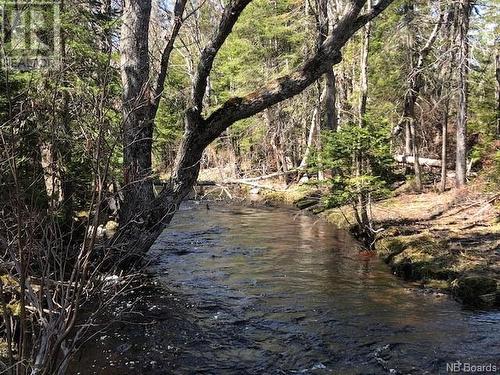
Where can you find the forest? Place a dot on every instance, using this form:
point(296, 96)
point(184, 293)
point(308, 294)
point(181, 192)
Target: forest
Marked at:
point(146, 144)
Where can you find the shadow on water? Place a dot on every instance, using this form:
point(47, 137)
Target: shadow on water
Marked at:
point(267, 291)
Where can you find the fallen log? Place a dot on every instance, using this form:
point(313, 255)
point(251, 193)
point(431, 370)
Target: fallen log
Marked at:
point(206, 183)
point(423, 161)
point(272, 175)
point(223, 184)
point(249, 183)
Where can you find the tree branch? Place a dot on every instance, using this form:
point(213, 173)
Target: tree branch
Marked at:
point(229, 18)
point(375, 11)
point(328, 54)
point(432, 38)
point(167, 51)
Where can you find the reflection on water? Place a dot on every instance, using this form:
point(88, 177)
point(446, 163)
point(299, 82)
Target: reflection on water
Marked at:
point(274, 291)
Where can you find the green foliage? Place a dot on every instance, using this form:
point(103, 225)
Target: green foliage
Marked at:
point(266, 42)
point(482, 98)
point(67, 106)
point(493, 173)
point(170, 116)
point(339, 150)
point(386, 65)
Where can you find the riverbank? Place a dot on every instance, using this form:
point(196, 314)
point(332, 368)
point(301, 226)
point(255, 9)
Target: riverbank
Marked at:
point(447, 242)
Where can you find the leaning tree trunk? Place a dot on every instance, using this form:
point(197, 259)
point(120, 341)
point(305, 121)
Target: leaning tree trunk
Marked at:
point(461, 150)
point(144, 216)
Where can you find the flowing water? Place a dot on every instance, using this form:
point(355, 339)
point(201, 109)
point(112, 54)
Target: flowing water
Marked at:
point(271, 291)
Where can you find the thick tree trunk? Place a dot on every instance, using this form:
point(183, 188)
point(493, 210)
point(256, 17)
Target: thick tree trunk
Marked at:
point(138, 122)
point(461, 150)
point(329, 121)
point(411, 96)
point(136, 237)
point(408, 140)
point(344, 92)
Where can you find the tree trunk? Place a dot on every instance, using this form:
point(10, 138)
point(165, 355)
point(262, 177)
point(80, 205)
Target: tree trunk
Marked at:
point(344, 92)
point(461, 151)
point(497, 88)
point(137, 123)
point(416, 163)
point(310, 140)
point(444, 146)
point(51, 175)
point(411, 97)
point(444, 88)
point(324, 25)
point(330, 102)
point(363, 96)
point(363, 220)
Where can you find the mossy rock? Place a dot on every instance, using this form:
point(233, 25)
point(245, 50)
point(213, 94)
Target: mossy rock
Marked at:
point(476, 290)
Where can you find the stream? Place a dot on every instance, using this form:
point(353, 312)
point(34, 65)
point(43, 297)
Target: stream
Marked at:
point(273, 291)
